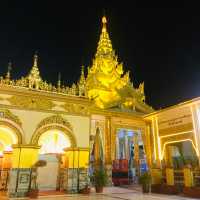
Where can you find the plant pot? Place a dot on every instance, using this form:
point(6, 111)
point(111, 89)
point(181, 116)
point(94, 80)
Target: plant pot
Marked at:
point(99, 189)
point(145, 188)
point(33, 194)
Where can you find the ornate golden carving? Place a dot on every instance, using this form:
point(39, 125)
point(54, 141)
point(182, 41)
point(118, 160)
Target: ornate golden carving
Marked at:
point(55, 119)
point(6, 114)
point(31, 102)
point(34, 81)
point(107, 84)
point(51, 123)
point(76, 108)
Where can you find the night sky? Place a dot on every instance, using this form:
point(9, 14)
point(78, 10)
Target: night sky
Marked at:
point(158, 43)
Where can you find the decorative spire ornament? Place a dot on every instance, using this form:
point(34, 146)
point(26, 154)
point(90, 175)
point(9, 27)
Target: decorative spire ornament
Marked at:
point(104, 45)
point(9, 69)
point(59, 81)
point(35, 62)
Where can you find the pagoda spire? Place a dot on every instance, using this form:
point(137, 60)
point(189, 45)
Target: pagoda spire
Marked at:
point(9, 69)
point(104, 45)
point(59, 81)
point(35, 60)
point(82, 82)
point(34, 75)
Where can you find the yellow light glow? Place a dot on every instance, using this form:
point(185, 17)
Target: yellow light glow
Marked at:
point(158, 139)
point(53, 141)
point(7, 138)
point(154, 140)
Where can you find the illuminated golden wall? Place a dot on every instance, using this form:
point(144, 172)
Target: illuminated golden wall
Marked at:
point(175, 125)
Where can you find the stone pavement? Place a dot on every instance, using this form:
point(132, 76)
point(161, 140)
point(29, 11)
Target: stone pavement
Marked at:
point(112, 193)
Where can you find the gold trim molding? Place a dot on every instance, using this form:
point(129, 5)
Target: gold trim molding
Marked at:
point(76, 108)
point(31, 102)
point(6, 114)
point(55, 119)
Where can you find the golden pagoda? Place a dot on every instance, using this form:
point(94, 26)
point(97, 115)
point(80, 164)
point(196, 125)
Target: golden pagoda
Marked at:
point(107, 84)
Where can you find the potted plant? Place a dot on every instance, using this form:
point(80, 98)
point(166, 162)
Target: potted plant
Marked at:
point(33, 189)
point(100, 179)
point(145, 181)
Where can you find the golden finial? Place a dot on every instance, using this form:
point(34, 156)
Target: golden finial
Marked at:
point(9, 69)
point(59, 80)
point(104, 21)
point(35, 62)
point(9, 66)
point(82, 70)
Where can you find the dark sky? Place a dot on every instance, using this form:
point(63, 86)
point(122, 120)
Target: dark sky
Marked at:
point(158, 43)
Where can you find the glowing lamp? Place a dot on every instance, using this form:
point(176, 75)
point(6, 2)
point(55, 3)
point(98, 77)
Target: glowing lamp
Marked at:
point(76, 157)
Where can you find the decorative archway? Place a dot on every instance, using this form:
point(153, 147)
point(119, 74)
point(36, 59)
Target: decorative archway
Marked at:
point(10, 127)
point(55, 122)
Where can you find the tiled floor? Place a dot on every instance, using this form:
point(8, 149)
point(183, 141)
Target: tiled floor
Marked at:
point(112, 193)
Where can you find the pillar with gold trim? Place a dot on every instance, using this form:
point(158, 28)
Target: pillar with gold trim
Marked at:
point(76, 169)
point(136, 154)
point(23, 159)
point(108, 159)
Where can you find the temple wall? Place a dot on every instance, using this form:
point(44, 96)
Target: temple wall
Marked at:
point(30, 120)
point(31, 110)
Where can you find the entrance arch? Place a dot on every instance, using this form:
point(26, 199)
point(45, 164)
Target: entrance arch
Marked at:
point(55, 123)
point(53, 134)
point(10, 131)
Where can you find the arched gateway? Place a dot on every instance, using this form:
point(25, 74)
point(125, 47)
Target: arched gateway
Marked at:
point(53, 135)
point(10, 133)
point(55, 126)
